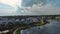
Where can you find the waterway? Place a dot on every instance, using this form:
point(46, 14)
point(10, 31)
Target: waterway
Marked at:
point(50, 28)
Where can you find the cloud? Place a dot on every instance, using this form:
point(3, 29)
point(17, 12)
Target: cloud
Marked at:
point(47, 9)
point(56, 3)
point(5, 6)
point(6, 10)
point(13, 3)
point(9, 7)
point(39, 7)
point(30, 3)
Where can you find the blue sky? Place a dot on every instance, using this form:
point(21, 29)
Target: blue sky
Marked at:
point(48, 7)
point(55, 2)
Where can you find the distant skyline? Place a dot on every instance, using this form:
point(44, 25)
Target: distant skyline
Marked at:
point(43, 7)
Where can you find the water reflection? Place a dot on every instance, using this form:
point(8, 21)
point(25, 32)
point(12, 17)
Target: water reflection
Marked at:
point(32, 30)
point(51, 28)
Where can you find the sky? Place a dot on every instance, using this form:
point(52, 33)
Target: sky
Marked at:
point(29, 7)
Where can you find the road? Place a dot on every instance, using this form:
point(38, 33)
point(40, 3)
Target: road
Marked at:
point(15, 31)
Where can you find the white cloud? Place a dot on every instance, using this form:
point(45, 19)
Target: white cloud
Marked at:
point(47, 9)
point(29, 3)
point(13, 3)
point(9, 3)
